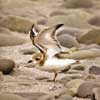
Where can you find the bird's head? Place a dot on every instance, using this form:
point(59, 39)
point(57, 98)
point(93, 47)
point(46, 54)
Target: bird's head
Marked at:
point(38, 58)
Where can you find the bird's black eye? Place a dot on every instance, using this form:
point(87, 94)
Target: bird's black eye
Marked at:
point(38, 58)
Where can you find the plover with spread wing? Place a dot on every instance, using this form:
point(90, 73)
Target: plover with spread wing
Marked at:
point(49, 46)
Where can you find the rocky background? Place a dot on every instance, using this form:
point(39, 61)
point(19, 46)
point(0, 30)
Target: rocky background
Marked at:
point(19, 80)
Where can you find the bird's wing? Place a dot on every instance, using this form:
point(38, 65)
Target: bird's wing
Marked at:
point(47, 39)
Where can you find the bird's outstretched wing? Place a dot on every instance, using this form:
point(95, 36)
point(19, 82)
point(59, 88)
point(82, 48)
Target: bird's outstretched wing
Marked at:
point(47, 39)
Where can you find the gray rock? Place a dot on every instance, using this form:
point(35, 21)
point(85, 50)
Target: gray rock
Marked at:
point(86, 88)
point(95, 20)
point(76, 32)
point(76, 98)
point(1, 76)
point(4, 30)
point(67, 41)
point(91, 37)
point(70, 20)
point(96, 94)
point(65, 97)
point(16, 23)
point(10, 40)
point(81, 54)
point(4, 96)
point(94, 70)
point(84, 54)
point(42, 21)
point(79, 67)
point(35, 96)
point(73, 85)
point(78, 3)
point(57, 12)
point(46, 97)
point(32, 96)
point(6, 66)
point(28, 51)
point(88, 47)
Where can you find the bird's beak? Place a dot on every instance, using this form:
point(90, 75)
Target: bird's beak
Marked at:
point(58, 26)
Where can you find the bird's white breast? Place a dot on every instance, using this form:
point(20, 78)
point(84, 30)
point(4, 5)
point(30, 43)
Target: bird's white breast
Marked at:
point(56, 65)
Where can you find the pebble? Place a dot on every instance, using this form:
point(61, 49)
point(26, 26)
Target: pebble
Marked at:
point(6, 66)
point(86, 88)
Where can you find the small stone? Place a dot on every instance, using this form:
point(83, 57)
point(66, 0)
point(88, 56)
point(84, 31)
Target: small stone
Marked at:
point(4, 96)
point(11, 40)
point(57, 12)
point(84, 54)
point(80, 17)
point(1, 76)
point(96, 94)
point(16, 23)
point(76, 98)
point(6, 66)
point(67, 41)
point(78, 3)
point(95, 20)
point(46, 97)
point(4, 30)
point(79, 67)
point(94, 70)
point(91, 37)
point(73, 71)
point(42, 21)
point(65, 97)
point(28, 51)
point(85, 89)
point(73, 85)
point(32, 96)
point(75, 32)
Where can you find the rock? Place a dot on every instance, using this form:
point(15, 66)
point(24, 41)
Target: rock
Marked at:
point(94, 70)
point(73, 85)
point(76, 98)
point(28, 51)
point(96, 94)
point(15, 23)
point(95, 20)
point(88, 47)
point(75, 32)
point(0, 5)
point(46, 97)
point(42, 21)
point(67, 41)
point(1, 76)
point(65, 80)
point(33, 96)
point(78, 3)
point(4, 30)
point(86, 88)
point(7, 96)
point(82, 54)
point(6, 66)
point(73, 71)
point(71, 19)
point(79, 67)
point(91, 37)
point(58, 12)
point(11, 40)
point(65, 97)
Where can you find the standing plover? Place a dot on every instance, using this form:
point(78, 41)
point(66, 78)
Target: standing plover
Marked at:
point(49, 46)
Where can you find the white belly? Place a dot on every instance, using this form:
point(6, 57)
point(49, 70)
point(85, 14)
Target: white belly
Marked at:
point(56, 65)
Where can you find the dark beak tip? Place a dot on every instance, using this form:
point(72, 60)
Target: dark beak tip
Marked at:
point(59, 25)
